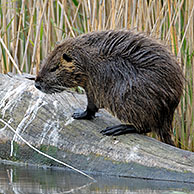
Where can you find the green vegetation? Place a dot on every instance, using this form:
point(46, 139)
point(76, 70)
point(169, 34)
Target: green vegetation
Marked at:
point(30, 29)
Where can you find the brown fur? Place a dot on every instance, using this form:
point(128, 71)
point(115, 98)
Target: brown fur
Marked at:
point(133, 76)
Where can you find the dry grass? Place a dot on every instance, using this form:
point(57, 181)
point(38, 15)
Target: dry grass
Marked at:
point(31, 28)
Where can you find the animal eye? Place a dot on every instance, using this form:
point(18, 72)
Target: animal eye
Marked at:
point(54, 68)
point(67, 58)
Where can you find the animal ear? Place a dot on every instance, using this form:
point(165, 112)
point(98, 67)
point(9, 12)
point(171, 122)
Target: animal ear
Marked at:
point(67, 58)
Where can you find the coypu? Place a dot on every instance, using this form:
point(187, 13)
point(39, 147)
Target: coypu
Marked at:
point(129, 74)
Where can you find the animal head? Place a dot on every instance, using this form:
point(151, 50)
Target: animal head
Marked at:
point(60, 69)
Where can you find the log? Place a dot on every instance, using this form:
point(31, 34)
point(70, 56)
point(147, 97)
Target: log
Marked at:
point(45, 121)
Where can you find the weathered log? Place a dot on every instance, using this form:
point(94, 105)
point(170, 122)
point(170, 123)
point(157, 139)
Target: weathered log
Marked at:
point(45, 121)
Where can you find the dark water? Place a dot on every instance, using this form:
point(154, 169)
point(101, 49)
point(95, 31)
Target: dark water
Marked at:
point(20, 179)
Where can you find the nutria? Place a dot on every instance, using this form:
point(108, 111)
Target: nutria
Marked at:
point(131, 75)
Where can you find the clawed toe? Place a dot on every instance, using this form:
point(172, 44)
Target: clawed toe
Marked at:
point(108, 131)
point(76, 115)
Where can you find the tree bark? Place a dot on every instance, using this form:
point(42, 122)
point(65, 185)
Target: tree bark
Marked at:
point(46, 122)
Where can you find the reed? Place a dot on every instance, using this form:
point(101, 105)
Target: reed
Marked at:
point(29, 29)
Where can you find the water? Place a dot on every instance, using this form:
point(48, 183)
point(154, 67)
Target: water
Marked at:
point(24, 180)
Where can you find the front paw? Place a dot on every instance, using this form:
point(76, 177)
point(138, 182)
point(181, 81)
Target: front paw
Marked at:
point(83, 115)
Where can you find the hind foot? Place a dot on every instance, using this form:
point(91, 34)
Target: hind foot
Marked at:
point(119, 130)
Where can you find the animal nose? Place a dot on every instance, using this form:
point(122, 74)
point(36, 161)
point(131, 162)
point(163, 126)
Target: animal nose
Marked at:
point(37, 84)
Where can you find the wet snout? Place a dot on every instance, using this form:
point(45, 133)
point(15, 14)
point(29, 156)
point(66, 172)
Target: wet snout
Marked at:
point(44, 85)
point(38, 83)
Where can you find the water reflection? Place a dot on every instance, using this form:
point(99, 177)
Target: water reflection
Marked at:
point(24, 180)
